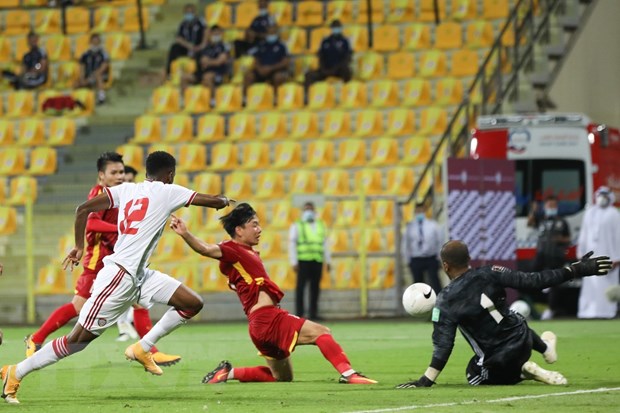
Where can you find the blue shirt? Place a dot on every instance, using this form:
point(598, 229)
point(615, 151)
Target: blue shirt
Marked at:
point(192, 30)
point(334, 50)
point(34, 57)
point(92, 60)
point(269, 53)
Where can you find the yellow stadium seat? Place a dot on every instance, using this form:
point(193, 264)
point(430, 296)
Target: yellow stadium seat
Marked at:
point(464, 63)
point(43, 95)
point(210, 128)
point(316, 37)
point(187, 273)
point(376, 9)
point(346, 274)
point(228, 98)
point(401, 122)
point(448, 35)
point(65, 244)
point(381, 273)
point(192, 158)
point(260, 97)
point(290, 95)
point(358, 37)
point(337, 124)
point(78, 20)
point(320, 154)
point(131, 21)
point(354, 95)
point(255, 155)
point(196, 99)
point(370, 238)
point(20, 104)
point(369, 181)
point(67, 74)
point(47, 21)
point(178, 129)
point(270, 185)
point(241, 65)
point(417, 93)
point(245, 12)
point(272, 126)
point(165, 100)
point(336, 182)
point(164, 147)
point(118, 46)
point(382, 212)
point(213, 280)
point(400, 181)
point(218, 13)
point(51, 280)
point(7, 132)
point(385, 94)
point(283, 215)
point(304, 125)
point(495, 9)
point(242, 126)
point(384, 152)
point(42, 161)
point(171, 247)
point(427, 10)
point(31, 132)
point(449, 91)
point(212, 222)
point(416, 151)
point(238, 186)
point(417, 37)
point(351, 152)
point(133, 155)
point(182, 178)
point(207, 183)
point(303, 64)
point(287, 155)
point(7, 4)
point(463, 10)
point(6, 51)
point(281, 272)
point(370, 66)
point(81, 43)
point(87, 97)
point(401, 65)
point(106, 20)
point(401, 11)
point(23, 189)
point(224, 156)
point(147, 129)
point(21, 47)
point(368, 123)
point(321, 96)
point(386, 39)
point(326, 213)
point(282, 12)
point(180, 68)
point(303, 181)
point(340, 10)
point(16, 22)
point(339, 240)
point(295, 40)
point(309, 13)
point(479, 34)
point(433, 121)
point(433, 64)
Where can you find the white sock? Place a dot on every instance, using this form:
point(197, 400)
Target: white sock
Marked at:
point(231, 374)
point(50, 353)
point(348, 372)
point(168, 323)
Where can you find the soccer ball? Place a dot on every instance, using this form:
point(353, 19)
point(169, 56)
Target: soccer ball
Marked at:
point(521, 307)
point(419, 299)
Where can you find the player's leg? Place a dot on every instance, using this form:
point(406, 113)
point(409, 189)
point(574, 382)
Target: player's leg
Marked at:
point(532, 371)
point(300, 289)
point(545, 344)
point(263, 374)
point(143, 324)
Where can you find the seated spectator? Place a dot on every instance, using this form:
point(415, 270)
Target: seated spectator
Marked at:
point(95, 64)
point(191, 36)
point(255, 34)
point(271, 61)
point(214, 61)
point(34, 69)
point(334, 57)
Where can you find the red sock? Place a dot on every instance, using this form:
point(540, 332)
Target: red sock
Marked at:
point(259, 373)
point(333, 352)
point(61, 316)
point(143, 324)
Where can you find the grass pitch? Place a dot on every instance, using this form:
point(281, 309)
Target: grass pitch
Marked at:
point(100, 380)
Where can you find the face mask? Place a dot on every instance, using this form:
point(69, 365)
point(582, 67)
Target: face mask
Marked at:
point(307, 216)
point(337, 30)
point(188, 16)
point(263, 12)
point(271, 38)
point(602, 201)
point(551, 212)
point(216, 38)
point(420, 216)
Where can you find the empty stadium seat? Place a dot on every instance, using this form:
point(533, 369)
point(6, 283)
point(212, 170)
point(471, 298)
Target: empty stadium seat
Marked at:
point(383, 152)
point(118, 46)
point(255, 155)
point(77, 20)
point(417, 93)
point(182, 178)
point(165, 100)
point(238, 185)
point(370, 66)
point(295, 40)
point(224, 156)
point(400, 181)
point(433, 121)
point(401, 65)
point(6, 50)
point(401, 11)
point(31, 132)
point(304, 125)
point(321, 96)
point(351, 152)
point(106, 20)
point(133, 155)
point(381, 273)
point(463, 10)
point(303, 181)
point(309, 13)
point(495, 9)
point(210, 128)
point(147, 129)
point(269, 185)
point(12, 161)
point(272, 126)
point(386, 38)
point(245, 13)
point(20, 104)
point(7, 132)
point(81, 43)
point(242, 126)
point(339, 240)
point(464, 63)
point(51, 280)
point(282, 12)
point(171, 247)
point(287, 155)
point(376, 9)
point(87, 97)
point(316, 38)
point(42, 161)
point(179, 128)
point(417, 37)
point(164, 147)
point(479, 34)
point(182, 67)
point(192, 158)
point(369, 181)
point(320, 153)
point(47, 21)
point(228, 98)
point(213, 280)
point(23, 189)
point(283, 215)
point(336, 182)
point(131, 21)
point(196, 99)
point(207, 183)
point(67, 74)
point(290, 96)
point(340, 10)
point(433, 64)
point(260, 97)
point(426, 11)
point(281, 273)
point(16, 22)
point(416, 151)
point(346, 274)
point(385, 94)
point(188, 273)
point(358, 37)
point(337, 124)
point(218, 13)
point(241, 65)
point(354, 95)
point(368, 123)
point(401, 122)
point(448, 35)
point(449, 91)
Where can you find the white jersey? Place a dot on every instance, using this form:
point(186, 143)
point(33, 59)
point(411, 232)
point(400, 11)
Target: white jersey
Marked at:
point(143, 210)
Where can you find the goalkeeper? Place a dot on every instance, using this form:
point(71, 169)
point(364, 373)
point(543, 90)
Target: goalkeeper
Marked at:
point(475, 303)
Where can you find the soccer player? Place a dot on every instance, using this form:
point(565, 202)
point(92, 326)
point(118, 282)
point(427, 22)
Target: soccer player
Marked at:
point(143, 210)
point(274, 331)
point(101, 235)
point(475, 303)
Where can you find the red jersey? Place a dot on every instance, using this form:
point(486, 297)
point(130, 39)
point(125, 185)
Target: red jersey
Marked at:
point(246, 274)
point(100, 244)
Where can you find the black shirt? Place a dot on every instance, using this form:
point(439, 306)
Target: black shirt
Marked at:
point(34, 57)
point(192, 30)
point(549, 252)
point(269, 53)
point(213, 51)
point(92, 60)
point(334, 50)
point(260, 23)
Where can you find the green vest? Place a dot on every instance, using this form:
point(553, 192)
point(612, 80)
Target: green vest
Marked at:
point(310, 241)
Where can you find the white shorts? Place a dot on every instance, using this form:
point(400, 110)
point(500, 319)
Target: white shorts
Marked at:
point(114, 291)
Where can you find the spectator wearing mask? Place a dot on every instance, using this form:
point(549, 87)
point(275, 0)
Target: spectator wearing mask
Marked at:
point(600, 232)
point(214, 60)
point(335, 56)
point(261, 23)
point(34, 68)
point(271, 62)
point(95, 67)
point(191, 36)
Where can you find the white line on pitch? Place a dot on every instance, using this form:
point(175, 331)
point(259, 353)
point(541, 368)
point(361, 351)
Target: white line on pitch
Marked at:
point(505, 399)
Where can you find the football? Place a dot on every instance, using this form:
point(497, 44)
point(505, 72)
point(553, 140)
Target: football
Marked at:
point(419, 299)
point(522, 308)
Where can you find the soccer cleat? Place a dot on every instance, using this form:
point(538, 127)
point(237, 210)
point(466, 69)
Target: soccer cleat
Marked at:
point(532, 371)
point(166, 360)
point(550, 355)
point(31, 346)
point(10, 384)
point(219, 374)
point(137, 353)
point(356, 378)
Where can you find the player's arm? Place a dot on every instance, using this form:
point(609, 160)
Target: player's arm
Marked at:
point(211, 201)
point(96, 224)
point(201, 247)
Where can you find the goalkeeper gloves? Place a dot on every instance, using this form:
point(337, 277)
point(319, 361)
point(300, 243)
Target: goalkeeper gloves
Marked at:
point(590, 266)
point(421, 382)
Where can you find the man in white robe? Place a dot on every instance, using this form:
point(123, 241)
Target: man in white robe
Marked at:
point(600, 232)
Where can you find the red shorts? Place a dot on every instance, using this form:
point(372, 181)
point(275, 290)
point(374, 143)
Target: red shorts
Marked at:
point(274, 331)
point(84, 285)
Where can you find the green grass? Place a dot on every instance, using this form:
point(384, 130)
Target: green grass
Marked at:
point(390, 351)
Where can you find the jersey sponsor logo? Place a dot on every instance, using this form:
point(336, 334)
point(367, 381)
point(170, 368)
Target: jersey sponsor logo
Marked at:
point(428, 294)
point(499, 268)
point(435, 315)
